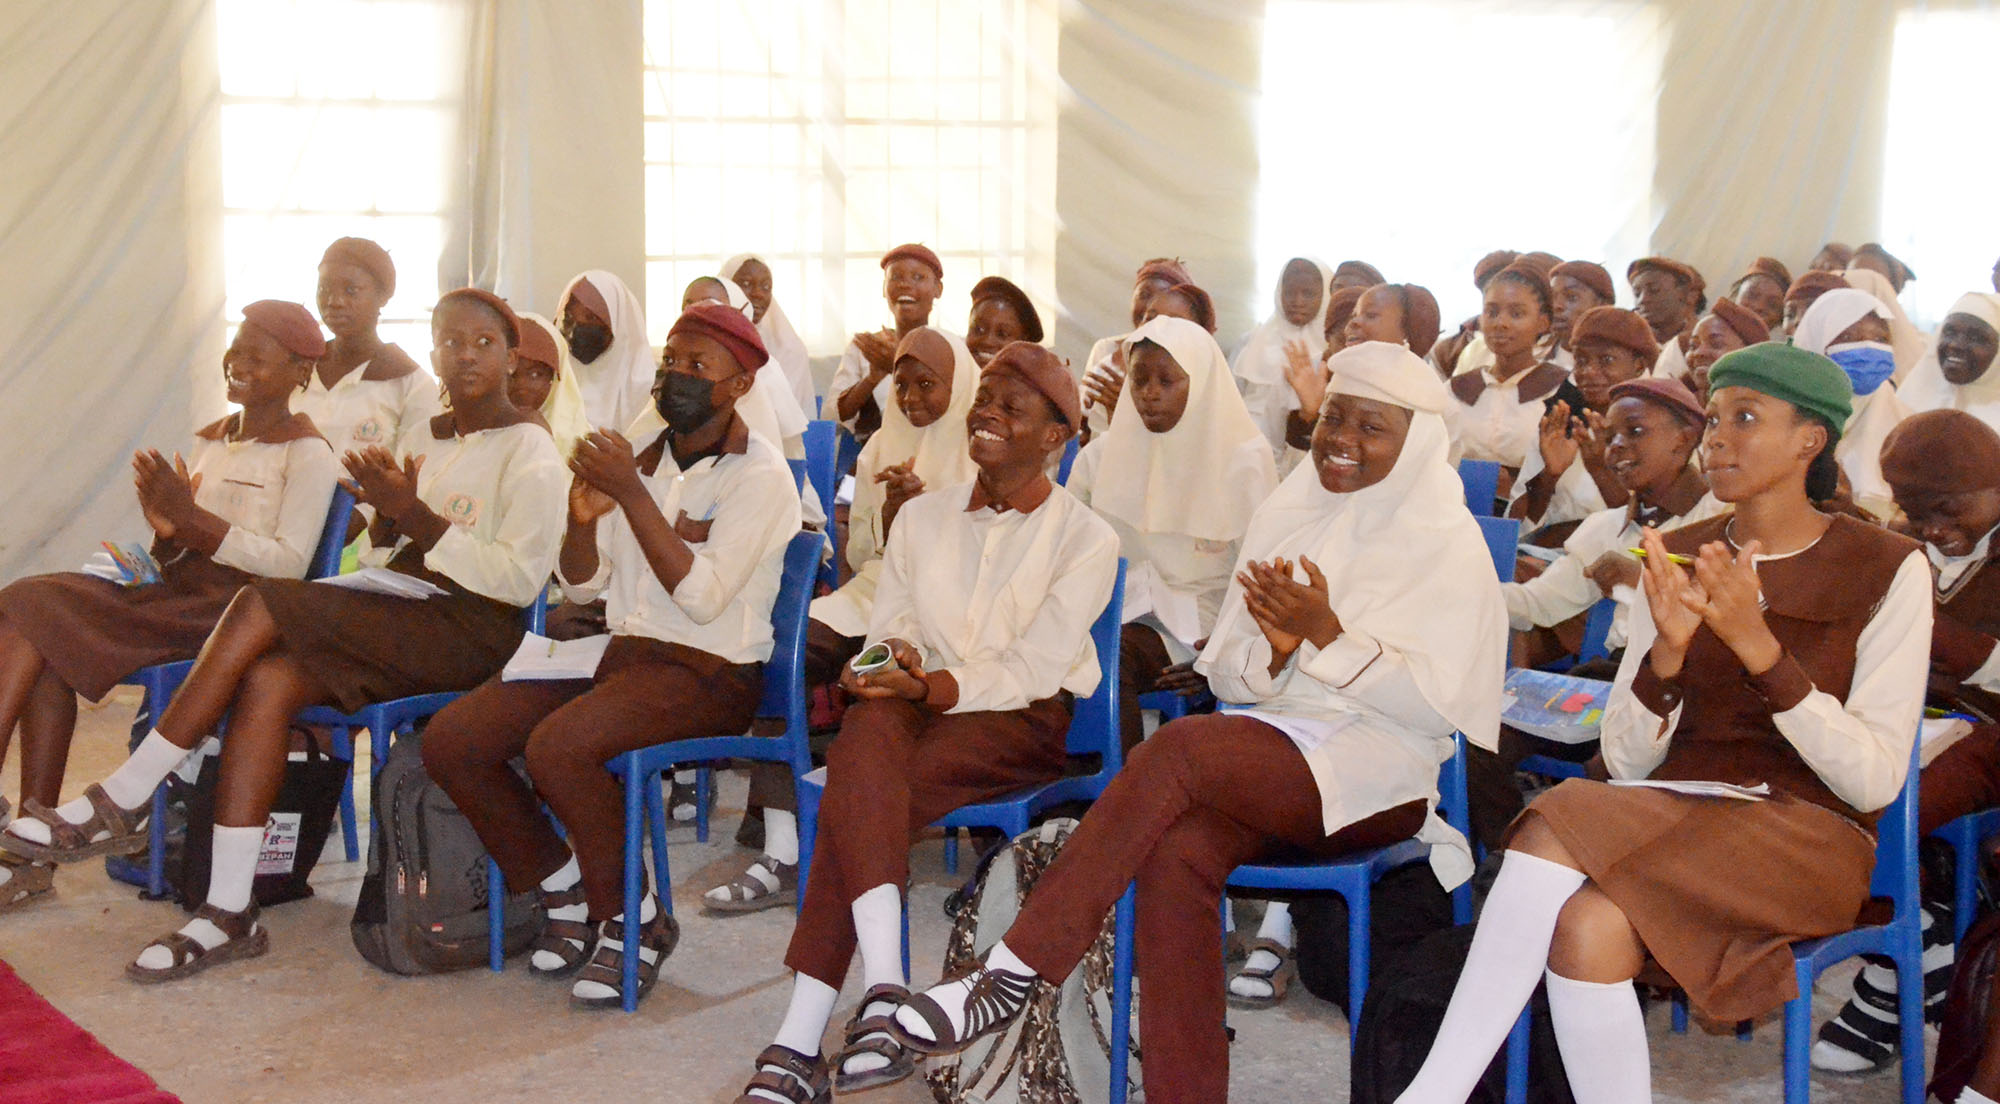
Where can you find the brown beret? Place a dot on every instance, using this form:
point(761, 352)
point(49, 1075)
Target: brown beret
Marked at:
point(1669, 393)
point(1681, 270)
point(915, 252)
point(1742, 320)
point(1362, 269)
point(1421, 318)
point(1045, 372)
point(1340, 308)
point(1533, 275)
point(1204, 307)
point(538, 345)
point(289, 324)
point(728, 326)
point(1941, 452)
point(1591, 275)
point(1010, 293)
point(1768, 266)
point(1545, 263)
point(491, 302)
point(1899, 273)
point(1615, 326)
point(929, 348)
point(1812, 285)
point(1171, 269)
point(371, 257)
point(1490, 265)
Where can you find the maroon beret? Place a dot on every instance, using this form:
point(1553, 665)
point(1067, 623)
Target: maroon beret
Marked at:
point(729, 327)
point(371, 257)
point(1010, 293)
point(1545, 263)
point(1768, 266)
point(1171, 269)
point(1490, 265)
point(492, 302)
point(1362, 269)
point(1681, 270)
point(289, 324)
point(1941, 452)
point(1591, 275)
point(1741, 319)
point(1421, 318)
point(1670, 393)
point(915, 252)
point(1615, 326)
point(1340, 307)
point(539, 345)
point(1045, 372)
point(1204, 307)
point(1812, 285)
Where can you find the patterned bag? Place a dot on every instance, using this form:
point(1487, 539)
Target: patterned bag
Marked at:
point(1059, 1050)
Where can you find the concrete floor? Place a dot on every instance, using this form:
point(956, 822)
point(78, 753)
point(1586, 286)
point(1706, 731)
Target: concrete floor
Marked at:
point(313, 1022)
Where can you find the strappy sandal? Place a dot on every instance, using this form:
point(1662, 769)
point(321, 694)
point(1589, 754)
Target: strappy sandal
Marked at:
point(685, 795)
point(749, 893)
point(657, 938)
point(799, 1078)
point(569, 940)
point(25, 882)
point(1278, 977)
point(109, 831)
point(993, 1000)
point(875, 1035)
point(247, 939)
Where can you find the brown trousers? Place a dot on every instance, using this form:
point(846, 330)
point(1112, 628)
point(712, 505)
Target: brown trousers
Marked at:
point(1142, 655)
point(895, 768)
point(1965, 779)
point(646, 692)
point(826, 652)
point(1205, 795)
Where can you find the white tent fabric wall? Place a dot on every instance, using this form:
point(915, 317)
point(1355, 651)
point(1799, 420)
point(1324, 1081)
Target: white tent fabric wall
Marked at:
point(111, 339)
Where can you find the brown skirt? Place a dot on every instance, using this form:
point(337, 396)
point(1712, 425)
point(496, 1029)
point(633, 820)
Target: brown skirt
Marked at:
point(367, 648)
point(1717, 889)
point(92, 633)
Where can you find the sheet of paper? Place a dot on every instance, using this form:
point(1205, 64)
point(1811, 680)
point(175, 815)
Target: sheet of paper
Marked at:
point(381, 580)
point(1758, 792)
point(538, 657)
point(1937, 734)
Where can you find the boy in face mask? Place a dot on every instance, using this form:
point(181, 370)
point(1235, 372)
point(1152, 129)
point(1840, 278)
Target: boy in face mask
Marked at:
point(683, 531)
point(1851, 328)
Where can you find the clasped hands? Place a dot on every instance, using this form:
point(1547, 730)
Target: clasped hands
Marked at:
point(606, 474)
point(166, 491)
point(1286, 610)
point(905, 680)
point(1723, 593)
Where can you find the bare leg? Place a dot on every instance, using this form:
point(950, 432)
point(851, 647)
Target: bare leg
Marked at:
point(21, 667)
point(243, 636)
point(274, 689)
point(46, 728)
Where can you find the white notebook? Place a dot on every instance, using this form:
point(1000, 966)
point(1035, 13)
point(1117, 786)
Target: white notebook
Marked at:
point(538, 657)
point(381, 580)
point(1758, 792)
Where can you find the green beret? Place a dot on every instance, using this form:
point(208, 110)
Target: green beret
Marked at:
point(1808, 381)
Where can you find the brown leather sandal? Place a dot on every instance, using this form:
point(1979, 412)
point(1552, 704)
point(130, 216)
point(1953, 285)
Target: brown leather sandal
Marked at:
point(1278, 977)
point(569, 940)
point(25, 882)
point(993, 1000)
point(109, 831)
point(799, 1078)
point(875, 1035)
point(247, 939)
point(657, 938)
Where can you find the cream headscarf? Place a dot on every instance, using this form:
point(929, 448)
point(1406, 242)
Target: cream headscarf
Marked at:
point(563, 409)
point(771, 386)
point(1927, 388)
point(1859, 450)
point(781, 340)
point(1904, 337)
point(1405, 563)
point(1178, 481)
point(618, 386)
point(1262, 358)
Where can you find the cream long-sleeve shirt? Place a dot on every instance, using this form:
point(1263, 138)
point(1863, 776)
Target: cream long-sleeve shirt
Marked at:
point(1498, 426)
point(853, 368)
point(1860, 748)
point(505, 493)
point(1565, 590)
point(355, 412)
point(274, 497)
point(1001, 599)
point(742, 507)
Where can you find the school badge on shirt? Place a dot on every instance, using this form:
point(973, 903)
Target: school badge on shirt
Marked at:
point(461, 509)
point(369, 432)
point(1210, 547)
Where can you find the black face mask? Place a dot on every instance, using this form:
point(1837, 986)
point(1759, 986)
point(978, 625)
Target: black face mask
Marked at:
point(686, 401)
point(587, 340)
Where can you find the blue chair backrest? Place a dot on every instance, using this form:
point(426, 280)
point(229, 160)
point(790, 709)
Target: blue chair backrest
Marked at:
point(798, 474)
point(535, 615)
point(1068, 460)
point(846, 453)
point(1597, 630)
point(1093, 725)
point(1503, 536)
point(784, 672)
point(1895, 875)
point(1454, 799)
point(332, 539)
point(822, 440)
point(1482, 485)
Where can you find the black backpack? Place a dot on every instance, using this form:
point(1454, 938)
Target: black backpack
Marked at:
point(1407, 905)
point(422, 908)
point(1407, 995)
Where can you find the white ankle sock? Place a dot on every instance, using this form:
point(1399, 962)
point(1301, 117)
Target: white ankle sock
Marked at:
point(1277, 927)
point(805, 1022)
point(1971, 1095)
point(951, 995)
point(1510, 949)
point(878, 935)
point(129, 787)
point(566, 878)
point(232, 870)
point(613, 937)
point(781, 835)
point(1601, 1033)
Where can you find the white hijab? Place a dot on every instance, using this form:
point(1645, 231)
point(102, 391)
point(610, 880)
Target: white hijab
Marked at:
point(940, 451)
point(781, 340)
point(1179, 481)
point(563, 409)
point(1904, 337)
point(771, 388)
point(1405, 562)
point(1927, 388)
point(1261, 360)
point(1831, 314)
point(618, 385)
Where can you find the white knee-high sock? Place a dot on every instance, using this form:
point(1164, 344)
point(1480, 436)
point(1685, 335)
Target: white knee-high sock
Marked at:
point(1510, 949)
point(1601, 1033)
point(878, 935)
point(781, 835)
point(232, 870)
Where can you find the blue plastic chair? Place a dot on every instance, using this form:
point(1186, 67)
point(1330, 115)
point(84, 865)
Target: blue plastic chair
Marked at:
point(1596, 636)
point(1482, 487)
point(1068, 460)
point(639, 770)
point(161, 680)
point(846, 453)
point(1967, 836)
point(1503, 536)
point(822, 440)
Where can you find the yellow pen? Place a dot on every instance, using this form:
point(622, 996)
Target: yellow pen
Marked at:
point(1672, 557)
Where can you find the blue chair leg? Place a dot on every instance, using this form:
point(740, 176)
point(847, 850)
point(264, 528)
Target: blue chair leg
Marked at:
point(703, 779)
point(1965, 883)
point(156, 841)
point(1798, 1041)
point(808, 816)
point(906, 939)
point(1680, 1013)
point(1910, 1007)
point(496, 896)
point(656, 820)
point(1123, 925)
point(951, 850)
point(1359, 906)
point(1517, 1058)
point(1744, 1031)
point(350, 835)
point(628, 984)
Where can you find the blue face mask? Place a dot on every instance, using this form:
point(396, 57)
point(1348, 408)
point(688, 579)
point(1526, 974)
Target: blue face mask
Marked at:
point(1867, 363)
